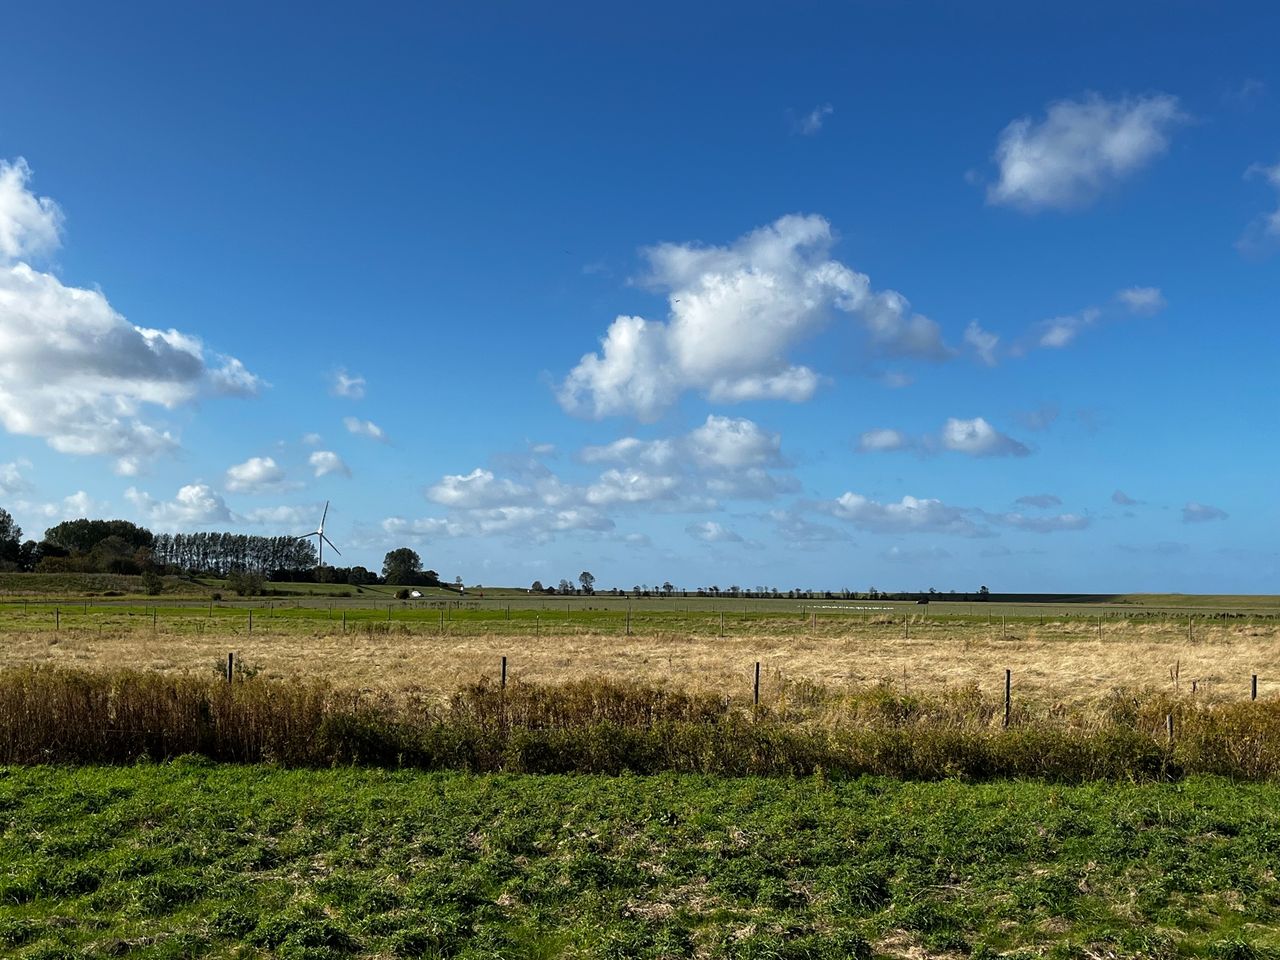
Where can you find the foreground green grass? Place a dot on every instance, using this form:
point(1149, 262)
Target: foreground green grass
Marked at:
point(198, 859)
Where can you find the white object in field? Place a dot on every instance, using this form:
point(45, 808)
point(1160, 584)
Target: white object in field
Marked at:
point(415, 595)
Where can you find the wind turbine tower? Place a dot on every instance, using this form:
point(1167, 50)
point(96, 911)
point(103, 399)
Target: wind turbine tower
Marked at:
point(321, 539)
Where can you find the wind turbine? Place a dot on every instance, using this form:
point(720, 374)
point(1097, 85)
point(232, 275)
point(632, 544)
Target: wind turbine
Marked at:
point(321, 539)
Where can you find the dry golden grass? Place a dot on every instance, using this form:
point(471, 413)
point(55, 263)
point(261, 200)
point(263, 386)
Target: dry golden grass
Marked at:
point(1058, 662)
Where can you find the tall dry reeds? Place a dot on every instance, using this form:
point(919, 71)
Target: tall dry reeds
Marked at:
point(51, 715)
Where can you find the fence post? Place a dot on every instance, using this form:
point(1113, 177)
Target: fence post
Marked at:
point(154, 611)
point(442, 621)
point(251, 619)
point(344, 621)
point(722, 623)
point(1008, 696)
point(756, 692)
point(504, 673)
point(57, 618)
point(1253, 688)
point(231, 666)
point(628, 619)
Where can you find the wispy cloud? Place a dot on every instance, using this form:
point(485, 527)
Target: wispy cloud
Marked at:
point(1201, 513)
point(347, 385)
point(364, 428)
point(812, 122)
point(1080, 149)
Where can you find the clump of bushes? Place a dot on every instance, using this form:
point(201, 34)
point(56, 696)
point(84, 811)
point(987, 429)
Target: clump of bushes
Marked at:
point(245, 584)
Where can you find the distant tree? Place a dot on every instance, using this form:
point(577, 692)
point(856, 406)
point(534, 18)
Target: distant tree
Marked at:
point(81, 536)
point(360, 576)
point(152, 582)
point(430, 578)
point(401, 566)
point(983, 592)
point(536, 587)
point(668, 588)
point(566, 587)
point(245, 584)
point(588, 582)
point(115, 554)
point(10, 538)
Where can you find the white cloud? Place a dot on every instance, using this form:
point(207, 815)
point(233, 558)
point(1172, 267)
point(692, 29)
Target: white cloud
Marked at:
point(30, 226)
point(735, 313)
point(364, 428)
point(977, 438)
point(897, 554)
point(255, 475)
point(326, 462)
point(1201, 513)
point(812, 121)
point(1061, 331)
point(479, 488)
point(882, 440)
point(909, 515)
point(631, 486)
point(1041, 500)
point(982, 342)
point(312, 439)
point(1268, 225)
point(345, 385)
point(1040, 524)
point(724, 458)
point(1123, 499)
point(196, 504)
point(711, 532)
point(77, 506)
point(796, 529)
point(733, 443)
point(12, 480)
point(284, 518)
point(1041, 418)
point(653, 453)
point(1080, 149)
point(1144, 301)
point(75, 372)
point(527, 523)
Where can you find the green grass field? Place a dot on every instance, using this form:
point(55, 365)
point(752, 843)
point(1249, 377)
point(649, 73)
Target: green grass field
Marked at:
point(194, 859)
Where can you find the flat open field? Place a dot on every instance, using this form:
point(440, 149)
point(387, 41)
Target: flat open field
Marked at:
point(197, 859)
point(1066, 658)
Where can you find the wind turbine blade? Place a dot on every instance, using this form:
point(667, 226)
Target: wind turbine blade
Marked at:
point(324, 515)
point(330, 543)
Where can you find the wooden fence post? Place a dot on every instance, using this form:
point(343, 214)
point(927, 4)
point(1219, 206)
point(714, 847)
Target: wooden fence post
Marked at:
point(344, 621)
point(628, 619)
point(504, 673)
point(231, 666)
point(756, 692)
point(57, 618)
point(1253, 688)
point(1008, 696)
point(251, 619)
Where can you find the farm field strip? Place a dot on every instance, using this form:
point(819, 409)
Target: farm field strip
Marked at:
point(1069, 662)
point(200, 859)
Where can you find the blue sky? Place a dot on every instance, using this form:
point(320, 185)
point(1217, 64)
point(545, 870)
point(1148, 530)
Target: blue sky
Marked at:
point(834, 295)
